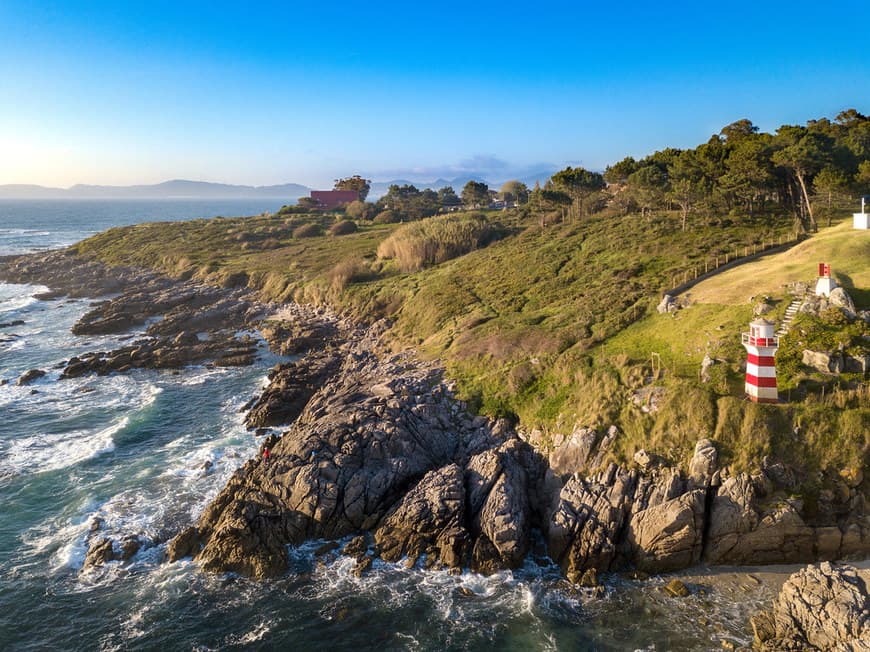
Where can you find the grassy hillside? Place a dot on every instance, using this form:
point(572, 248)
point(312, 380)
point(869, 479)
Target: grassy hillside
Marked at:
point(847, 250)
point(553, 325)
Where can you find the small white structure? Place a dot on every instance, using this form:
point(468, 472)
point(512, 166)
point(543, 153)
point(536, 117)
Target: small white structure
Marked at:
point(825, 283)
point(861, 220)
point(761, 345)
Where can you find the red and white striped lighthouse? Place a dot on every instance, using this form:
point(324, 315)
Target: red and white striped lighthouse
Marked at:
point(761, 344)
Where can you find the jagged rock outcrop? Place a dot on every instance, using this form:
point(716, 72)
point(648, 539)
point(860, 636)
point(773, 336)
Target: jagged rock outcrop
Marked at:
point(652, 521)
point(177, 313)
point(291, 386)
point(744, 528)
point(299, 330)
point(364, 441)
point(429, 520)
point(381, 446)
point(666, 526)
point(500, 511)
point(585, 526)
point(824, 607)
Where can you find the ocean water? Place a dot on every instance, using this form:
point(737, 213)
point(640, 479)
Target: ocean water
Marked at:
point(129, 452)
point(28, 225)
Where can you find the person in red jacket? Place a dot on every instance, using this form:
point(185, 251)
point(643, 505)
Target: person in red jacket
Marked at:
point(266, 453)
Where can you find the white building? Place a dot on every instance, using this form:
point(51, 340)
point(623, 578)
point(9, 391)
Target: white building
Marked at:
point(861, 220)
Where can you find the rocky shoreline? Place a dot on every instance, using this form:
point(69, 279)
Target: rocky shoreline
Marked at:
point(377, 447)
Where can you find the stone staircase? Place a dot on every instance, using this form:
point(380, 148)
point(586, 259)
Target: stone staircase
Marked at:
point(790, 313)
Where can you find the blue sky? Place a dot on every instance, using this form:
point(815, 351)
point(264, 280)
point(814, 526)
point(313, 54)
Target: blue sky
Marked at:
point(256, 93)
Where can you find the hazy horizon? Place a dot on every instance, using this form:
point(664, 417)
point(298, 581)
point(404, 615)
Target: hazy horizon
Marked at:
point(105, 94)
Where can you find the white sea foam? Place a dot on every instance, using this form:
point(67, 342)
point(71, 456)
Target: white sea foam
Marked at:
point(201, 375)
point(23, 232)
point(257, 633)
point(15, 297)
point(48, 452)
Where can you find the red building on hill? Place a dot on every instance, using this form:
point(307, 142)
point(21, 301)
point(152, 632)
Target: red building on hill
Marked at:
point(331, 199)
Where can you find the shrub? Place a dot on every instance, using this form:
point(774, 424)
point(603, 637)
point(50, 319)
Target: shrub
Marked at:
point(360, 210)
point(348, 271)
point(343, 228)
point(386, 217)
point(435, 240)
point(307, 231)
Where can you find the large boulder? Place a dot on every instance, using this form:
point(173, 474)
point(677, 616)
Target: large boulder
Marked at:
point(841, 299)
point(573, 453)
point(428, 520)
point(500, 512)
point(667, 536)
point(825, 362)
point(702, 466)
point(822, 607)
point(748, 527)
point(30, 376)
point(588, 517)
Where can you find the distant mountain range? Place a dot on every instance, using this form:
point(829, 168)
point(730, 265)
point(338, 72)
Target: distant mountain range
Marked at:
point(184, 189)
point(175, 189)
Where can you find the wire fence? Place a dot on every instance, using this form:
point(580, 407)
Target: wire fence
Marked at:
point(717, 263)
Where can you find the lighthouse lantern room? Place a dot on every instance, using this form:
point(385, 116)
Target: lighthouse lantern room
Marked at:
point(761, 344)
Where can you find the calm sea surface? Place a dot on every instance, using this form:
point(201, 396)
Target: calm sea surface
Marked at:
point(128, 451)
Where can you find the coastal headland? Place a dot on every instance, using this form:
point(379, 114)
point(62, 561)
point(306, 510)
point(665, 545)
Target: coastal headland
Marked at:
point(377, 446)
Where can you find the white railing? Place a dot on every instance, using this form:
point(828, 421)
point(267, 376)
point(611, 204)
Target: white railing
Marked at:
point(746, 338)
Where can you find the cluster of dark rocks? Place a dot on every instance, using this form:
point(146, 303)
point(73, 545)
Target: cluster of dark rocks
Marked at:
point(184, 322)
point(380, 447)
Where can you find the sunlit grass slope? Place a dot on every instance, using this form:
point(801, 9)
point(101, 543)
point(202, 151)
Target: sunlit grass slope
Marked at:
point(847, 251)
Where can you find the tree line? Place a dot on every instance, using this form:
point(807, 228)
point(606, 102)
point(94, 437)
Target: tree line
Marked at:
point(797, 170)
point(800, 170)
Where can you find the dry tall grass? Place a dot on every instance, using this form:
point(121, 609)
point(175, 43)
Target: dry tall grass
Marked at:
point(435, 240)
point(348, 271)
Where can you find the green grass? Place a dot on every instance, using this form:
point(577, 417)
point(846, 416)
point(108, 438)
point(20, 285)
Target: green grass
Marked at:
point(279, 265)
point(847, 251)
point(682, 339)
point(554, 325)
